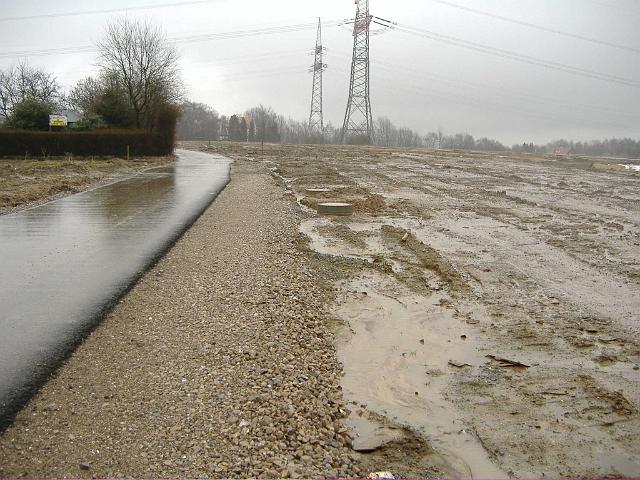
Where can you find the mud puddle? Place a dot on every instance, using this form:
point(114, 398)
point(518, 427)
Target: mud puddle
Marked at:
point(396, 353)
point(398, 350)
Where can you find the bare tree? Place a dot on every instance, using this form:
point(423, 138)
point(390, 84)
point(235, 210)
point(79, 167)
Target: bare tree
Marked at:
point(144, 65)
point(22, 82)
point(386, 132)
point(85, 95)
point(198, 121)
point(409, 138)
point(269, 124)
point(439, 137)
point(388, 135)
point(431, 140)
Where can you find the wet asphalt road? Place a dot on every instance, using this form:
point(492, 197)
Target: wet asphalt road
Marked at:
point(64, 264)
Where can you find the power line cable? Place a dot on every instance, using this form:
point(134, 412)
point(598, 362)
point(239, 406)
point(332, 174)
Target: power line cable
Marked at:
point(478, 104)
point(256, 57)
point(537, 27)
point(506, 54)
point(484, 105)
point(50, 51)
point(500, 91)
point(249, 33)
point(108, 10)
point(238, 59)
point(481, 106)
point(178, 40)
point(251, 74)
point(609, 6)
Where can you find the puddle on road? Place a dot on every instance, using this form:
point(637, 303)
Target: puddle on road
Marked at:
point(395, 352)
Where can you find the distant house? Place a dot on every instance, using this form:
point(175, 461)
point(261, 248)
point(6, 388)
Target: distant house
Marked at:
point(561, 151)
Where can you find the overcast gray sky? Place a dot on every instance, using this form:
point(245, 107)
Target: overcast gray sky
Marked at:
point(416, 81)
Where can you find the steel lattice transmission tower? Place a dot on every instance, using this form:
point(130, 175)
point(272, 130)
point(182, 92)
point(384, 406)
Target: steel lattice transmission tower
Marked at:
point(316, 122)
point(358, 120)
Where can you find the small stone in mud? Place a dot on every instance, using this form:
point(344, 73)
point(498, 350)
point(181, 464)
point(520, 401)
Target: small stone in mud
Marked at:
point(463, 337)
point(84, 466)
point(422, 341)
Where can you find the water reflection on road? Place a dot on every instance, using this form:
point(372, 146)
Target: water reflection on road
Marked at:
point(63, 264)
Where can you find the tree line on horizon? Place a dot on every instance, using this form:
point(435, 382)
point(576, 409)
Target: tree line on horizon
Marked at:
point(201, 122)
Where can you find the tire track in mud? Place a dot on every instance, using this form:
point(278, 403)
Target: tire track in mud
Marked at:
point(430, 259)
point(485, 202)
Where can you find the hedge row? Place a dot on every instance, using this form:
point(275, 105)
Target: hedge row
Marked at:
point(95, 143)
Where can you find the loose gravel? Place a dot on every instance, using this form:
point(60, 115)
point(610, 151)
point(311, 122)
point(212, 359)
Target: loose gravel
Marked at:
point(218, 363)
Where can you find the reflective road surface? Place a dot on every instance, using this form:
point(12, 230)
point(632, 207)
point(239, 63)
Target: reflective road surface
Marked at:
point(65, 263)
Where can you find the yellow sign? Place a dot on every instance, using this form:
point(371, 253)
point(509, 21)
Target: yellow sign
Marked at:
point(57, 120)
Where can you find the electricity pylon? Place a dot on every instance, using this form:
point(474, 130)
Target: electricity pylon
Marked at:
point(316, 122)
point(358, 120)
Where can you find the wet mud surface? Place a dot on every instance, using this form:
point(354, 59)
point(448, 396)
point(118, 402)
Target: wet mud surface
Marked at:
point(485, 306)
point(65, 263)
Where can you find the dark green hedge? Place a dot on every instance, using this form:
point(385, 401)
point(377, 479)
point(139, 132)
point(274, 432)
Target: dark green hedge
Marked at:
point(85, 144)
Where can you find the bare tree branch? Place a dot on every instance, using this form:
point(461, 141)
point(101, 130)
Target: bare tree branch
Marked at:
point(22, 82)
point(144, 64)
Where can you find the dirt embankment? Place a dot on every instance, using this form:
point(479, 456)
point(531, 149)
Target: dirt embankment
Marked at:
point(29, 182)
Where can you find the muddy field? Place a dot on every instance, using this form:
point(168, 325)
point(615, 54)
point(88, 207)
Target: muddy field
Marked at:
point(488, 305)
point(26, 182)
